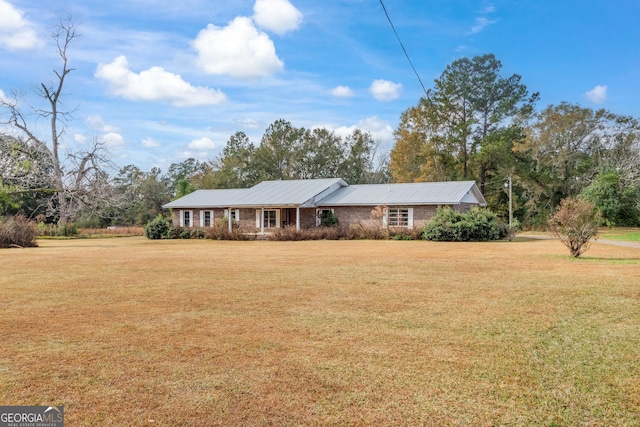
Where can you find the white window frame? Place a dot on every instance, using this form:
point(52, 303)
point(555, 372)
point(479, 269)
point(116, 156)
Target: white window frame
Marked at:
point(202, 221)
point(393, 213)
point(235, 214)
point(182, 221)
point(318, 211)
point(261, 215)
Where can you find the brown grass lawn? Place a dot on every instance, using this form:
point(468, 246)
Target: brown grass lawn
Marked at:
point(132, 332)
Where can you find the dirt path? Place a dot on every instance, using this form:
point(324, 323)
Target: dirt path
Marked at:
point(601, 241)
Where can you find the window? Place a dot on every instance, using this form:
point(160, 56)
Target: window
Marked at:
point(206, 219)
point(186, 218)
point(270, 219)
point(325, 217)
point(400, 217)
point(235, 214)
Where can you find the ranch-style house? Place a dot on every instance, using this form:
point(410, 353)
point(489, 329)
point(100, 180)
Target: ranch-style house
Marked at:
point(303, 203)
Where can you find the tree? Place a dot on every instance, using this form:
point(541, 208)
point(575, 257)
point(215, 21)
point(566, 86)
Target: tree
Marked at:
point(234, 167)
point(274, 158)
point(74, 176)
point(615, 202)
point(181, 176)
point(446, 133)
point(575, 223)
point(25, 176)
point(567, 147)
point(359, 156)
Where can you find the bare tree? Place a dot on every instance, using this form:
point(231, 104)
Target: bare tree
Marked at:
point(73, 174)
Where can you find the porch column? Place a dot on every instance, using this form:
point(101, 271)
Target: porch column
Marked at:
point(229, 219)
point(298, 219)
point(262, 221)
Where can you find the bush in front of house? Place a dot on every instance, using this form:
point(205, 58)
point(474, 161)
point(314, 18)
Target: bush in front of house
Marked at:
point(157, 228)
point(17, 231)
point(476, 224)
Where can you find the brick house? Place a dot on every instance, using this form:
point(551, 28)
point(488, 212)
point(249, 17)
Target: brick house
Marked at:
point(270, 205)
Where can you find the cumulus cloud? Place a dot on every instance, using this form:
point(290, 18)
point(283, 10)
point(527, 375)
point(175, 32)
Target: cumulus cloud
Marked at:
point(202, 144)
point(342, 92)
point(150, 143)
point(112, 140)
point(16, 32)
point(279, 16)
point(384, 90)
point(597, 95)
point(154, 84)
point(238, 50)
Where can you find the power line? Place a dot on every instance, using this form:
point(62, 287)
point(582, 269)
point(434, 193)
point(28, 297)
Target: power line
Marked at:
point(403, 49)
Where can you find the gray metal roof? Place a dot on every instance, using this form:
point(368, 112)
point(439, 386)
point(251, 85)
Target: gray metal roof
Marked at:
point(207, 199)
point(418, 193)
point(301, 192)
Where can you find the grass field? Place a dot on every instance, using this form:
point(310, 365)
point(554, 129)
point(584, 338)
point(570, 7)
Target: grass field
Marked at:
point(625, 233)
point(132, 332)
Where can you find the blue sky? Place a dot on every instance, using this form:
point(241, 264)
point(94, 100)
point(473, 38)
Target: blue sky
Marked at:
point(163, 80)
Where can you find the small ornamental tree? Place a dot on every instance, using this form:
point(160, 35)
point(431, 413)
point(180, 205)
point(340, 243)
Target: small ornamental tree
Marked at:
point(575, 223)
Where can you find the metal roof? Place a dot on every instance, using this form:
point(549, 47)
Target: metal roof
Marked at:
point(301, 192)
point(207, 199)
point(418, 193)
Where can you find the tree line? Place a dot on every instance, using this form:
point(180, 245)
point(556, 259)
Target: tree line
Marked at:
point(473, 124)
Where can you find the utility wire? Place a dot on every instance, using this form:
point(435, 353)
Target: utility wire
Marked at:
point(403, 49)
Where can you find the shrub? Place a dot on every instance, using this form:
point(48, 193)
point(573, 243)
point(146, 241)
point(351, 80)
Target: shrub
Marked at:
point(327, 219)
point(220, 231)
point(17, 231)
point(197, 234)
point(319, 233)
point(575, 223)
point(157, 228)
point(360, 231)
point(476, 224)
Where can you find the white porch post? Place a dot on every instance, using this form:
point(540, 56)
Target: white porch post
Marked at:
point(298, 219)
point(262, 221)
point(229, 219)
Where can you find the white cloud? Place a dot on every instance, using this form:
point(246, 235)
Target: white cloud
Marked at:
point(248, 123)
point(384, 90)
point(79, 138)
point(4, 97)
point(279, 16)
point(150, 143)
point(95, 122)
point(380, 130)
point(154, 84)
point(200, 155)
point(15, 31)
point(342, 92)
point(202, 144)
point(481, 23)
point(112, 140)
point(597, 95)
point(238, 50)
